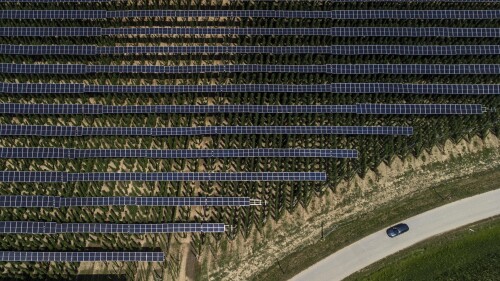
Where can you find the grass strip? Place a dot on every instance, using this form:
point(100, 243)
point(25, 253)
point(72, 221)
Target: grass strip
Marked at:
point(367, 223)
point(469, 253)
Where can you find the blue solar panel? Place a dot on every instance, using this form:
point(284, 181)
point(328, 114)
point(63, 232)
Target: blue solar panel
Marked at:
point(420, 109)
point(17, 108)
point(52, 1)
point(42, 130)
point(352, 88)
point(334, 31)
point(25, 176)
point(12, 256)
point(38, 201)
point(70, 153)
point(409, 50)
point(250, 68)
point(156, 201)
point(49, 176)
point(140, 228)
point(29, 227)
point(336, 14)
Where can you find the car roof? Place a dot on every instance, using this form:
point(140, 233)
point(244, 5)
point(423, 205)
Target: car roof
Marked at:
point(401, 225)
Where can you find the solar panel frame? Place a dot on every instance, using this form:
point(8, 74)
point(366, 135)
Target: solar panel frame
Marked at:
point(428, 109)
point(79, 69)
point(31, 227)
point(155, 201)
point(28, 201)
point(346, 88)
point(17, 108)
point(334, 14)
point(51, 176)
point(333, 31)
point(407, 50)
point(70, 153)
point(15, 256)
point(48, 130)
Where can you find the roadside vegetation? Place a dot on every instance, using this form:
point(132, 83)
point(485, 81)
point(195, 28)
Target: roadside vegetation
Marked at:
point(366, 223)
point(469, 253)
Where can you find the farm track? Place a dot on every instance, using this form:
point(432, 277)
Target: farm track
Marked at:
point(429, 131)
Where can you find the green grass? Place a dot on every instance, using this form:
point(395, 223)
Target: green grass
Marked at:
point(457, 255)
point(367, 223)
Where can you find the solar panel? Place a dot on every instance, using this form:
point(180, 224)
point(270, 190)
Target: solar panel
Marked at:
point(34, 201)
point(141, 228)
point(49, 176)
point(333, 31)
point(52, 1)
point(29, 227)
point(335, 14)
point(251, 68)
point(407, 50)
point(12, 256)
point(352, 88)
point(30, 176)
point(155, 201)
point(18, 108)
point(38, 201)
point(420, 109)
point(42, 130)
point(70, 153)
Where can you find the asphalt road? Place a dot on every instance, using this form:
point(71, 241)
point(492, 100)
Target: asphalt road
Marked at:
point(423, 226)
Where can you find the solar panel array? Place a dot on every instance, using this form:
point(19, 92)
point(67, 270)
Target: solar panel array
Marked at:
point(30, 227)
point(407, 50)
point(336, 14)
point(48, 130)
point(83, 1)
point(13, 256)
point(327, 68)
point(346, 88)
point(51, 176)
point(53, 1)
point(40, 201)
point(20, 108)
point(333, 31)
point(71, 153)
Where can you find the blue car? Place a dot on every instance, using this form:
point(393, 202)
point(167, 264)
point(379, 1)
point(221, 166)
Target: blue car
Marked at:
point(397, 229)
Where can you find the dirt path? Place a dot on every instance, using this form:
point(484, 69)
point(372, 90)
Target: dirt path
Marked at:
point(184, 267)
point(303, 226)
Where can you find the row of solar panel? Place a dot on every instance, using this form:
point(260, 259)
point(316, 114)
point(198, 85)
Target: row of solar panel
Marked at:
point(409, 50)
point(333, 31)
point(51, 176)
point(13, 256)
point(83, 1)
point(71, 153)
point(346, 88)
point(48, 130)
point(360, 108)
point(251, 68)
point(30, 227)
point(335, 14)
point(39, 201)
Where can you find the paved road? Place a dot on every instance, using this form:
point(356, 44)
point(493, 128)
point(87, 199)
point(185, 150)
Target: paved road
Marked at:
point(378, 246)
